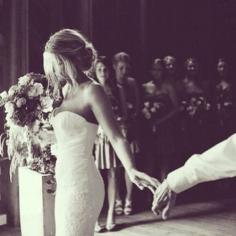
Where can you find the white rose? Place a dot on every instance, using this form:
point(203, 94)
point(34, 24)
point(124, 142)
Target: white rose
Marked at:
point(4, 95)
point(9, 108)
point(156, 105)
point(144, 110)
point(20, 102)
point(13, 90)
point(130, 105)
point(208, 106)
point(9, 121)
point(153, 109)
point(36, 126)
point(147, 104)
point(31, 92)
point(227, 104)
point(39, 88)
point(35, 90)
point(148, 116)
point(46, 103)
point(24, 80)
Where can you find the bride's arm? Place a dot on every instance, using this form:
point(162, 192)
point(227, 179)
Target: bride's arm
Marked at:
point(101, 108)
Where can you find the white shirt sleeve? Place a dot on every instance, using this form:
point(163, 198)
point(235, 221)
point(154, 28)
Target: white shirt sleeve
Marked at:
point(216, 163)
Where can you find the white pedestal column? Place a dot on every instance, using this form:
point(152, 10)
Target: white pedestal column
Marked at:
point(36, 204)
point(4, 187)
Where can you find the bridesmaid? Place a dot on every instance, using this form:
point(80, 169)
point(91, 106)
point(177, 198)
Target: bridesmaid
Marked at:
point(160, 109)
point(224, 101)
point(170, 68)
point(128, 95)
point(105, 157)
point(195, 107)
point(173, 77)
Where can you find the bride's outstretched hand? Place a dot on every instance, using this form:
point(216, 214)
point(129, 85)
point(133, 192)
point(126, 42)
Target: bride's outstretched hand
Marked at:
point(163, 200)
point(143, 180)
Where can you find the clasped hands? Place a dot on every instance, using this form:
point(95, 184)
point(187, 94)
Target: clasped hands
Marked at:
point(163, 196)
point(163, 200)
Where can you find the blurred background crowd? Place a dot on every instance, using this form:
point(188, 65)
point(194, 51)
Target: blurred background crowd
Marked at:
point(175, 113)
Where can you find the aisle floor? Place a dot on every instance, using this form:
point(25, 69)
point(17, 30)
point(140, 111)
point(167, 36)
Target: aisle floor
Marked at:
point(216, 218)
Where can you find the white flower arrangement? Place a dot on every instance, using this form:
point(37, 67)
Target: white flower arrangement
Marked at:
point(28, 106)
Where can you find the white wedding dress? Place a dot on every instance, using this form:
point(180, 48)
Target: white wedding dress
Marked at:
point(80, 189)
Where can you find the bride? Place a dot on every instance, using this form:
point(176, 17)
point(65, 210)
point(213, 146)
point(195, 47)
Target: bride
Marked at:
point(82, 106)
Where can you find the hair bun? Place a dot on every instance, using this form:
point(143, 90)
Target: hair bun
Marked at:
point(73, 45)
point(86, 57)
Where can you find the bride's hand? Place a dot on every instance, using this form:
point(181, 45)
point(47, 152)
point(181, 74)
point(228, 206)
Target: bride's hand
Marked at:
point(163, 200)
point(143, 180)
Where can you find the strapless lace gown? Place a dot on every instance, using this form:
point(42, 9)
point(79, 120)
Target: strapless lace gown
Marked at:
point(80, 189)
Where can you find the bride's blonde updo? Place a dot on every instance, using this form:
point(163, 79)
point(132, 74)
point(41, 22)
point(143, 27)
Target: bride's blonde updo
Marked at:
point(67, 52)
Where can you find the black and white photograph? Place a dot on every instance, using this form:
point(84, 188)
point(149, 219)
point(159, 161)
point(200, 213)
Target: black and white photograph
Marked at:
point(117, 118)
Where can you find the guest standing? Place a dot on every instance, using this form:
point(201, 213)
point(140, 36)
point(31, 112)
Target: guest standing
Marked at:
point(159, 110)
point(195, 107)
point(105, 157)
point(170, 68)
point(224, 101)
point(128, 95)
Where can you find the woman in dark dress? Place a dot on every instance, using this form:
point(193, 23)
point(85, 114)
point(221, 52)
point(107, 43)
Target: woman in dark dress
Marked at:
point(171, 69)
point(195, 108)
point(224, 101)
point(160, 106)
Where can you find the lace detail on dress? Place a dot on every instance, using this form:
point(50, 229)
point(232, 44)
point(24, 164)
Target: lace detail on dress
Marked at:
point(80, 190)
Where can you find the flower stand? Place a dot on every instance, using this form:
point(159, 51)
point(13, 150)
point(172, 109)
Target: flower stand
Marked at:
point(4, 186)
point(36, 203)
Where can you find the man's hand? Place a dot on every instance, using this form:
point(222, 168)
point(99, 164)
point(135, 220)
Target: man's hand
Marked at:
point(163, 200)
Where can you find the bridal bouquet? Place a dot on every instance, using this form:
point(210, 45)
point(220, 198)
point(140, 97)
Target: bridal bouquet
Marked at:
point(225, 106)
point(195, 106)
point(150, 109)
point(154, 109)
point(28, 133)
point(156, 106)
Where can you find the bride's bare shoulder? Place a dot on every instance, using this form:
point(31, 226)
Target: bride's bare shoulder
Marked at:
point(95, 92)
point(94, 88)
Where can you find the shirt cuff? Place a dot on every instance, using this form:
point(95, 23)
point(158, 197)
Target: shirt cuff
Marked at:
point(177, 180)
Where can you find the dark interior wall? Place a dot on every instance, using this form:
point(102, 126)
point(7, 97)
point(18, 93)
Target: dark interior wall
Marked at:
point(203, 29)
point(108, 24)
point(149, 29)
point(3, 52)
point(145, 29)
point(46, 17)
point(116, 28)
point(4, 39)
